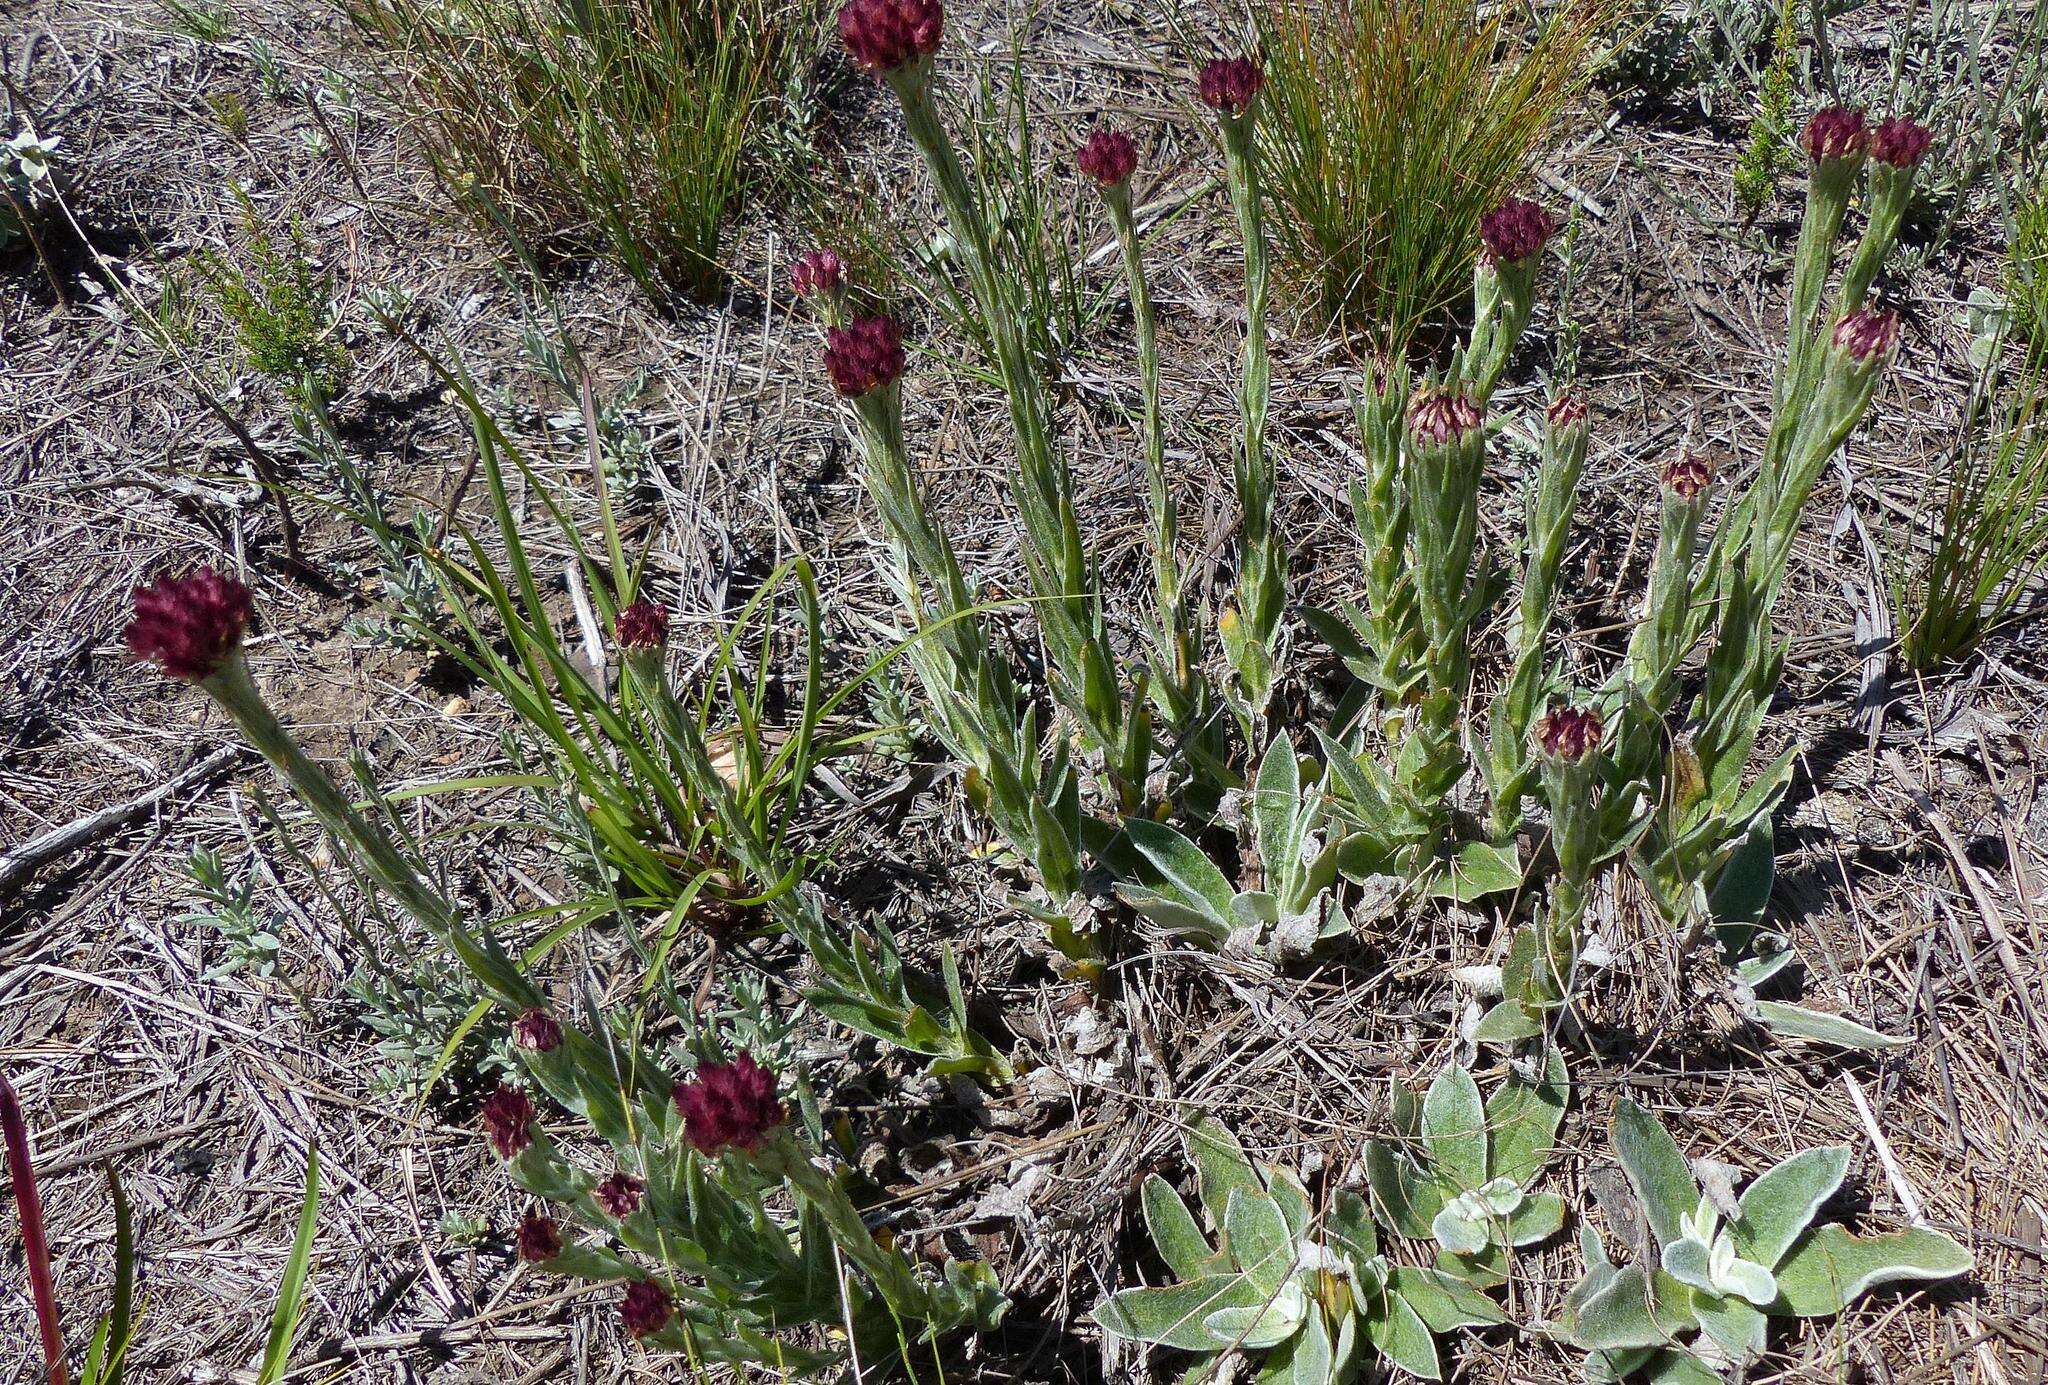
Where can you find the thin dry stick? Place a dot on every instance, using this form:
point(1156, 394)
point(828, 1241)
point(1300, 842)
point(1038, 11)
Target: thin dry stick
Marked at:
point(1994, 921)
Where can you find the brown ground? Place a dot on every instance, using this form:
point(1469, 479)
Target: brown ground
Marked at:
point(204, 1093)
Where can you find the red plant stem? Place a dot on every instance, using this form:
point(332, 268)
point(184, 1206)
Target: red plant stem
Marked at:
point(29, 1203)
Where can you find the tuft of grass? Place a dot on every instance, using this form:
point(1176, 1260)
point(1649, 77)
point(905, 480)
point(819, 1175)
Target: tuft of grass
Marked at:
point(2026, 269)
point(631, 127)
point(1393, 125)
point(1990, 536)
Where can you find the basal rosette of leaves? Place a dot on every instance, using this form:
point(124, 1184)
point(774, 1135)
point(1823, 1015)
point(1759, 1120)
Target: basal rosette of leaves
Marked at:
point(1700, 1314)
point(1463, 1173)
point(1306, 1291)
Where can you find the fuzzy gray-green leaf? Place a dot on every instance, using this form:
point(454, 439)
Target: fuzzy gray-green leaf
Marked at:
point(1777, 1207)
point(1655, 1168)
point(1175, 1233)
point(1830, 1268)
point(1454, 1129)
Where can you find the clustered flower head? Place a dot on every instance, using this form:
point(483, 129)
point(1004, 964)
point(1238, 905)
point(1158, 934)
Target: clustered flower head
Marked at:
point(883, 35)
point(1109, 157)
point(645, 1309)
point(537, 1031)
point(540, 1240)
point(190, 626)
point(1567, 411)
point(1834, 132)
point(865, 355)
point(619, 1195)
point(1867, 333)
point(1515, 230)
point(729, 1105)
point(1900, 142)
point(1688, 477)
point(642, 625)
point(1569, 733)
point(1230, 85)
point(817, 274)
point(508, 1120)
point(1436, 419)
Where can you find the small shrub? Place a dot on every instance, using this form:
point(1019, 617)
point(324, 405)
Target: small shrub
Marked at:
point(1768, 150)
point(1392, 126)
point(631, 126)
point(281, 306)
point(249, 937)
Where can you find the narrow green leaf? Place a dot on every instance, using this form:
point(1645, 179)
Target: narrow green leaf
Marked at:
point(1184, 865)
point(1798, 1022)
point(291, 1291)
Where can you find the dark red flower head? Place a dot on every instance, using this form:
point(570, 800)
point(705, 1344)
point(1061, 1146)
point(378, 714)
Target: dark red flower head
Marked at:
point(1867, 333)
point(646, 1308)
point(1569, 733)
point(1230, 85)
point(508, 1120)
point(190, 626)
point(1835, 132)
point(537, 1030)
point(540, 1240)
point(1109, 157)
point(865, 355)
point(821, 272)
point(1900, 142)
point(1515, 230)
point(729, 1104)
point(1688, 477)
point(1436, 419)
point(1567, 411)
point(883, 35)
point(642, 625)
point(619, 1195)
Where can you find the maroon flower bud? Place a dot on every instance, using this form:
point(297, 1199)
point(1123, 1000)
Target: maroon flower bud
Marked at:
point(1566, 411)
point(865, 355)
point(729, 1105)
point(1900, 142)
point(1515, 230)
point(537, 1030)
point(1867, 333)
point(1688, 477)
point(1835, 132)
point(190, 626)
point(619, 1195)
point(540, 1240)
point(1109, 157)
point(817, 274)
point(1436, 419)
point(1569, 733)
point(1230, 85)
point(642, 625)
point(508, 1118)
point(883, 35)
point(646, 1308)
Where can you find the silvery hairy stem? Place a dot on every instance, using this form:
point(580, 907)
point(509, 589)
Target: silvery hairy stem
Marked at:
point(1551, 502)
point(1502, 296)
point(1262, 557)
point(237, 693)
point(1063, 577)
point(975, 704)
point(1379, 507)
point(1176, 683)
